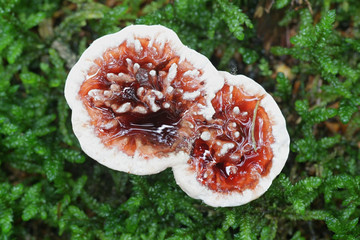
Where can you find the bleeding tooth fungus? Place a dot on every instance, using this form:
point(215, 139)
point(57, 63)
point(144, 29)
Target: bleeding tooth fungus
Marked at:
point(142, 102)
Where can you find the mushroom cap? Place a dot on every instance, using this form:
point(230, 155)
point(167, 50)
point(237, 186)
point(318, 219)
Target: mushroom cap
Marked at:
point(186, 177)
point(91, 144)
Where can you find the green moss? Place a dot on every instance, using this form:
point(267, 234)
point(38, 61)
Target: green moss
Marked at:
point(49, 189)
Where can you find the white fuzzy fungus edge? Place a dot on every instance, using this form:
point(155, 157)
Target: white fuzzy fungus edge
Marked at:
point(85, 132)
point(186, 178)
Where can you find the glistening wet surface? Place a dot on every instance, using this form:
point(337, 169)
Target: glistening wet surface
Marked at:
point(225, 157)
point(136, 98)
point(145, 98)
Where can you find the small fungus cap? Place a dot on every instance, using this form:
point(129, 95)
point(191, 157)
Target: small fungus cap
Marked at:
point(256, 174)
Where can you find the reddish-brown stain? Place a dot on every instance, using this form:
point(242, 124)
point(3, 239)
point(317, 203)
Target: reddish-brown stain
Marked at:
point(157, 129)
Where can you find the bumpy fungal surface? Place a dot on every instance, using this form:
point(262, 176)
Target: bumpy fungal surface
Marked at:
point(142, 101)
point(240, 150)
point(132, 94)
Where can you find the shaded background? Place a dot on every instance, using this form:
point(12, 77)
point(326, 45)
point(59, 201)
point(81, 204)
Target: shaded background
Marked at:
point(305, 53)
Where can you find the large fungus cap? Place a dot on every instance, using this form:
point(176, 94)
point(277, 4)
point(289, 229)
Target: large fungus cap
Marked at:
point(142, 101)
point(132, 97)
